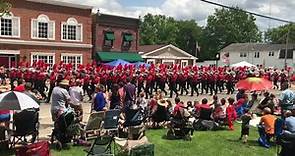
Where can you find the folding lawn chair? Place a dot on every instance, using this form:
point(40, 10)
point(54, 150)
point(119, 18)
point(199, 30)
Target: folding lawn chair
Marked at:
point(93, 126)
point(25, 123)
point(102, 145)
point(143, 150)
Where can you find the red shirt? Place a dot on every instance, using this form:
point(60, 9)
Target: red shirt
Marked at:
point(20, 88)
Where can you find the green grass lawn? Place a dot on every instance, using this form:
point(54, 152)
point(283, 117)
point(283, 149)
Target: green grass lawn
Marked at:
point(209, 143)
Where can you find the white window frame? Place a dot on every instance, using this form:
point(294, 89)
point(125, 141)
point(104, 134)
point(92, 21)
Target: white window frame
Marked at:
point(74, 22)
point(43, 54)
point(168, 61)
point(12, 17)
point(42, 18)
point(151, 60)
point(73, 55)
point(184, 61)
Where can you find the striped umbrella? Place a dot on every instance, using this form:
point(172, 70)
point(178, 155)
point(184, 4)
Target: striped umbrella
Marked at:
point(14, 100)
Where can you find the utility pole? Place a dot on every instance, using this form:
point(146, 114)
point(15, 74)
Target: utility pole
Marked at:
point(286, 50)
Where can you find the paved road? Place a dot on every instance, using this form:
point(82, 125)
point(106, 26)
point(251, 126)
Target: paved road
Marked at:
point(46, 122)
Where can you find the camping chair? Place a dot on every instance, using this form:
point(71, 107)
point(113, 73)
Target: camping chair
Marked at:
point(102, 144)
point(205, 114)
point(143, 150)
point(93, 126)
point(25, 123)
point(4, 141)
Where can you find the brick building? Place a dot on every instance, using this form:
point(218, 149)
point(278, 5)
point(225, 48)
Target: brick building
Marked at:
point(114, 37)
point(46, 30)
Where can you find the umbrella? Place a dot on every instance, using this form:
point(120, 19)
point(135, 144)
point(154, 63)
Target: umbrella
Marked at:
point(118, 62)
point(17, 101)
point(254, 84)
point(138, 64)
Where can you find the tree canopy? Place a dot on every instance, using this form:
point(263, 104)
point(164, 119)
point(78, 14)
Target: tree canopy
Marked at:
point(228, 26)
point(160, 29)
point(279, 34)
point(4, 7)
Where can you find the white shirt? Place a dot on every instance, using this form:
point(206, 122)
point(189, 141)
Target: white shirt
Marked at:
point(76, 94)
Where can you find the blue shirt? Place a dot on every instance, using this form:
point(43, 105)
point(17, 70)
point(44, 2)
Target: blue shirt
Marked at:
point(99, 102)
point(287, 97)
point(290, 124)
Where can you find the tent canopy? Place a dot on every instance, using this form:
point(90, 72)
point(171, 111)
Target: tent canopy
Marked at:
point(138, 64)
point(243, 64)
point(111, 56)
point(118, 62)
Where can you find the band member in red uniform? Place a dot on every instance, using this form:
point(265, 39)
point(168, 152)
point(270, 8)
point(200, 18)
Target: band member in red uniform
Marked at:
point(172, 84)
point(52, 78)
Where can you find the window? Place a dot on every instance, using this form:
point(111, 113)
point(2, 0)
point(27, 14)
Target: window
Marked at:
point(71, 30)
point(184, 63)
point(243, 54)
point(151, 61)
point(109, 38)
point(271, 53)
point(127, 39)
point(46, 58)
point(10, 26)
point(256, 55)
point(74, 59)
point(289, 54)
point(43, 28)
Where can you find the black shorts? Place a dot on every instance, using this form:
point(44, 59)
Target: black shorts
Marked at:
point(245, 131)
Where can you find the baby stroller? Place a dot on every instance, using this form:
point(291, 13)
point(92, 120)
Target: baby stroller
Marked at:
point(63, 132)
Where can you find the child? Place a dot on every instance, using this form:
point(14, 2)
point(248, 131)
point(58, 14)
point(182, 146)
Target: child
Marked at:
point(231, 114)
point(245, 125)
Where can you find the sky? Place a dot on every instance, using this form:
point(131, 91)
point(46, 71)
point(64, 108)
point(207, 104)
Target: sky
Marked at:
point(194, 9)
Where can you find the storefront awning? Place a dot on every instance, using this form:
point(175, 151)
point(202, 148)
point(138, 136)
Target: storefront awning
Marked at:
point(111, 56)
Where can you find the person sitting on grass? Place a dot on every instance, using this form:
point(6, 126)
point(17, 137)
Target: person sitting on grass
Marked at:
point(245, 125)
point(231, 114)
point(219, 112)
point(289, 122)
point(266, 127)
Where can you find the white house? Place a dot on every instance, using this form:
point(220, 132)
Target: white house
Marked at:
point(268, 55)
point(166, 54)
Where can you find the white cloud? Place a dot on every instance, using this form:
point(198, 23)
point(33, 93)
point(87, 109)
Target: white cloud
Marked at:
point(198, 10)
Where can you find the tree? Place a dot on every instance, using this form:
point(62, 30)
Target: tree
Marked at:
point(227, 26)
point(279, 34)
point(189, 33)
point(4, 7)
point(158, 29)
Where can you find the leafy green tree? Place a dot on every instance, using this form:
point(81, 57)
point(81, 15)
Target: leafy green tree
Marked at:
point(158, 29)
point(189, 34)
point(4, 7)
point(279, 34)
point(227, 26)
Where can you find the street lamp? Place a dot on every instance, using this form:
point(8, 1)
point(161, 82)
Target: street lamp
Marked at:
point(217, 58)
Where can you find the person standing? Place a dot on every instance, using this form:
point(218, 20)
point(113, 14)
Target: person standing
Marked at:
point(130, 94)
point(286, 99)
point(60, 99)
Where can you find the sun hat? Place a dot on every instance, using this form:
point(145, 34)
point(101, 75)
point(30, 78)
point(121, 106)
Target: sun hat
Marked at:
point(64, 82)
point(162, 102)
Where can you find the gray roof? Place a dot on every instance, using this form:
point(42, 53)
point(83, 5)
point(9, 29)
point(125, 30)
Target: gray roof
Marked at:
point(238, 47)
